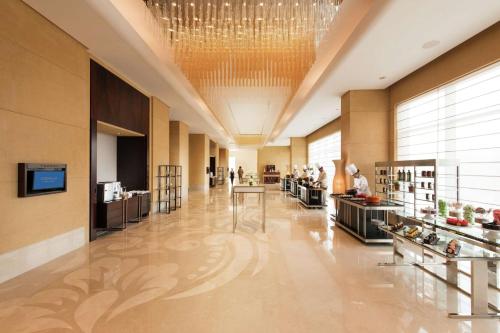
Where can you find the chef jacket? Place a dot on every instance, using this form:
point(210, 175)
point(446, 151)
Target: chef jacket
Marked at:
point(322, 179)
point(361, 184)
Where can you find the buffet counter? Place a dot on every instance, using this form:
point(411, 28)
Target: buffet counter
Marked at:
point(475, 232)
point(285, 184)
point(294, 187)
point(311, 197)
point(362, 219)
point(433, 254)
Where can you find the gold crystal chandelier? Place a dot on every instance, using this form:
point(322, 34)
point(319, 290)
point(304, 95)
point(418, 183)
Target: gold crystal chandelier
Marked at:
point(244, 42)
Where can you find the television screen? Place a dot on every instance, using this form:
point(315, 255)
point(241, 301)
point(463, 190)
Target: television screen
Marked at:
point(48, 180)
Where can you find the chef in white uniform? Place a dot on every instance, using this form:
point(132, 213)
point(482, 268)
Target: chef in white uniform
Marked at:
point(295, 173)
point(360, 181)
point(305, 173)
point(321, 181)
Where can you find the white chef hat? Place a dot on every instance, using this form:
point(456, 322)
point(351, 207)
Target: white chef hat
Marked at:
point(295, 167)
point(317, 165)
point(351, 169)
point(304, 167)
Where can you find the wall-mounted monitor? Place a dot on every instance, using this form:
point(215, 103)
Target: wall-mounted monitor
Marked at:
point(40, 179)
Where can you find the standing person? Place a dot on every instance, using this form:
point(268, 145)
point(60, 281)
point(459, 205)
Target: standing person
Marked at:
point(321, 181)
point(360, 181)
point(240, 174)
point(231, 176)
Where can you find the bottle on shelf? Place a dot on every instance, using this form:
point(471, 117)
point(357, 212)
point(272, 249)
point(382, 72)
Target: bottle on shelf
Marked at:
point(408, 176)
point(399, 175)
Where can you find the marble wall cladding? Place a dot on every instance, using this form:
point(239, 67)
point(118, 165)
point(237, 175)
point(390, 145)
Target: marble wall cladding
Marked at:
point(365, 130)
point(44, 118)
point(298, 152)
point(277, 155)
point(179, 151)
point(199, 160)
point(224, 159)
point(159, 143)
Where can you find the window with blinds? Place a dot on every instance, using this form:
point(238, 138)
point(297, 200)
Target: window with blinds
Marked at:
point(322, 152)
point(458, 122)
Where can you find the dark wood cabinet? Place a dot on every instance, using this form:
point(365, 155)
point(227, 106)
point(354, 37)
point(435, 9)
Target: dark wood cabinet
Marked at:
point(111, 215)
point(115, 214)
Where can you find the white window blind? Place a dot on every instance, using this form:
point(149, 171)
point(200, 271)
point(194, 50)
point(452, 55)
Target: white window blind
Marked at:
point(458, 122)
point(322, 152)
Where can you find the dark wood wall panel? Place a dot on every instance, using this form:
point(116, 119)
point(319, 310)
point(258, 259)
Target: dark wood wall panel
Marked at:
point(115, 102)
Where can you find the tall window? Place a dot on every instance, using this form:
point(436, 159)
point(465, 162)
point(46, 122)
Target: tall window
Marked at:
point(322, 152)
point(458, 122)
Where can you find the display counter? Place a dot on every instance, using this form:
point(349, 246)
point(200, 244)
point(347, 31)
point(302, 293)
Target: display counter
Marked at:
point(311, 197)
point(294, 187)
point(362, 220)
point(475, 232)
point(435, 254)
point(285, 184)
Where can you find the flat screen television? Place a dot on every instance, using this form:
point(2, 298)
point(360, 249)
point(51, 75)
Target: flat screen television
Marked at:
point(39, 179)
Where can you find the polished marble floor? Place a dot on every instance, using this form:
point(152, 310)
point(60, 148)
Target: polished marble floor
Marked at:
point(187, 272)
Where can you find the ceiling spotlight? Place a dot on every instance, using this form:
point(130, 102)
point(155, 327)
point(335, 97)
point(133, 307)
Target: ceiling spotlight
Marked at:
point(381, 77)
point(430, 44)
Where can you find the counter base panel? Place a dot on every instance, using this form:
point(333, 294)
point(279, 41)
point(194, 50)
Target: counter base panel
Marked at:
point(311, 206)
point(364, 240)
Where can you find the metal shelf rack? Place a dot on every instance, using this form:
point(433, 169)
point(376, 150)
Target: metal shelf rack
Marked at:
point(169, 188)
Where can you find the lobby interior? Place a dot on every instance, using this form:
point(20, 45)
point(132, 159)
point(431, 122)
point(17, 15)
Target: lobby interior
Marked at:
point(122, 122)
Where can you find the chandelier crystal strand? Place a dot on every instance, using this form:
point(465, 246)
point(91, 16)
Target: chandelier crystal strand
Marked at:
point(243, 43)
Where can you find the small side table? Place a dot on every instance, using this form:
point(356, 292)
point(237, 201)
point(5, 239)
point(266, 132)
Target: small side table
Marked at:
point(259, 189)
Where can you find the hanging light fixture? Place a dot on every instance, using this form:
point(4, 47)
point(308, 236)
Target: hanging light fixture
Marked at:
point(244, 43)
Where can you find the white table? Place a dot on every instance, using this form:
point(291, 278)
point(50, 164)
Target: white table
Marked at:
point(259, 189)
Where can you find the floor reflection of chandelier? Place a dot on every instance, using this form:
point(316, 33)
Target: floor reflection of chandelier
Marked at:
point(244, 42)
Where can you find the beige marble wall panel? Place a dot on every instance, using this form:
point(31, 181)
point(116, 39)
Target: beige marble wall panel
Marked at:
point(224, 158)
point(26, 77)
point(160, 138)
point(36, 35)
point(179, 151)
point(365, 130)
point(44, 118)
point(199, 160)
point(298, 152)
point(277, 155)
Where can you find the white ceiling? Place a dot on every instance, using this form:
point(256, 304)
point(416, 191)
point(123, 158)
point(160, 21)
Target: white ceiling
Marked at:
point(249, 110)
point(390, 45)
point(387, 41)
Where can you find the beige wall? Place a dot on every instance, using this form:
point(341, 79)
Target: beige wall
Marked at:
point(298, 152)
point(246, 158)
point(44, 118)
point(365, 130)
point(214, 151)
point(159, 138)
point(199, 160)
point(330, 128)
point(224, 159)
point(179, 152)
point(277, 155)
point(479, 51)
